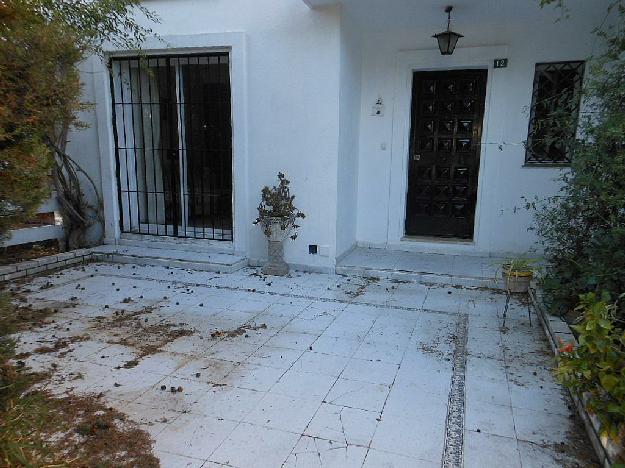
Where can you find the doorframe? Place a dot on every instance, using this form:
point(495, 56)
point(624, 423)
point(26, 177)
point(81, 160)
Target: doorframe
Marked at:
point(235, 44)
point(408, 62)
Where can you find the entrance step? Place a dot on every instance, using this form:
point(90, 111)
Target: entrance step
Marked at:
point(217, 262)
point(176, 243)
point(453, 270)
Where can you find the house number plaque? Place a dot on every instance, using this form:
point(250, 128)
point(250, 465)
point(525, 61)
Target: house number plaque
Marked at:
point(501, 63)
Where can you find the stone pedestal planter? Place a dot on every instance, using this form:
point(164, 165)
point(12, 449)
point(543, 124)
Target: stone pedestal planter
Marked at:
point(276, 265)
point(278, 217)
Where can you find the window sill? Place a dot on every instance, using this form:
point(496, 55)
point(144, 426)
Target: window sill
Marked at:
point(546, 166)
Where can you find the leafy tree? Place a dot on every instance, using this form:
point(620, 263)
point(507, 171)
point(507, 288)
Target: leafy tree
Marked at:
point(31, 93)
point(583, 227)
point(583, 231)
point(43, 42)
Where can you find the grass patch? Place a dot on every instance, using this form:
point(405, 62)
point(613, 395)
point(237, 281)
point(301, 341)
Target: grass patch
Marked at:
point(38, 429)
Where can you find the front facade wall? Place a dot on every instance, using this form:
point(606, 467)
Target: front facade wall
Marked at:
point(389, 59)
point(285, 94)
point(349, 109)
point(304, 83)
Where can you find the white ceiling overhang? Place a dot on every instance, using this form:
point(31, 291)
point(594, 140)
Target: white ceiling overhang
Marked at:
point(380, 15)
point(320, 3)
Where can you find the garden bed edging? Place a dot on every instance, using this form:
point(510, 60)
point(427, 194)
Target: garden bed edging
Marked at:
point(558, 331)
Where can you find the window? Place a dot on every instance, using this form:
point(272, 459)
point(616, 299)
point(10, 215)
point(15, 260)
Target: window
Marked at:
point(173, 136)
point(554, 112)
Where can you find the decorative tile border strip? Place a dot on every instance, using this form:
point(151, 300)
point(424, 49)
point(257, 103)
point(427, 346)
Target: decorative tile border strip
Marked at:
point(454, 425)
point(557, 329)
point(44, 264)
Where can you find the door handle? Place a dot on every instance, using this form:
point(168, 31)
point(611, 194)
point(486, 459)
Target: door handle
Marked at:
point(416, 157)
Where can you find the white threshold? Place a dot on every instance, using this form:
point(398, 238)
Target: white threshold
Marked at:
point(166, 240)
point(197, 233)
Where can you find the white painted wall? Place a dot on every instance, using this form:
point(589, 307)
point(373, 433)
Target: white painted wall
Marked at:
point(83, 145)
point(349, 122)
point(531, 37)
point(292, 92)
point(310, 77)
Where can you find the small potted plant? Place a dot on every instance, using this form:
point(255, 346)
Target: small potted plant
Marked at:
point(517, 274)
point(277, 216)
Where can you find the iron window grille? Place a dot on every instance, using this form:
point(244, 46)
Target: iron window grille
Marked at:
point(173, 144)
point(554, 112)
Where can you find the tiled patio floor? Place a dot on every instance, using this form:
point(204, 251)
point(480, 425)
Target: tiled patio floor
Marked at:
point(348, 372)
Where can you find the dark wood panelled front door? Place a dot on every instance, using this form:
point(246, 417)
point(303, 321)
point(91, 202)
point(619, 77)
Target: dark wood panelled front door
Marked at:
point(447, 111)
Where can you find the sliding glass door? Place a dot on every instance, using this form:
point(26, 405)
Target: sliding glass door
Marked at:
point(173, 138)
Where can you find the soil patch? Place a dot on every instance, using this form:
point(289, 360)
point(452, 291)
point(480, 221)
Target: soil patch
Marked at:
point(147, 338)
point(59, 344)
point(25, 252)
point(359, 291)
point(38, 429)
point(237, 331)
point(22, 317)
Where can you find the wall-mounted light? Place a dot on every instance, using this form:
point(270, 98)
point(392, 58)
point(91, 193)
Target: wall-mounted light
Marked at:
point(448, 39)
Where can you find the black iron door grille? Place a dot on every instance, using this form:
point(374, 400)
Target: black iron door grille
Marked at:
point(173, 145)
point(447, 111)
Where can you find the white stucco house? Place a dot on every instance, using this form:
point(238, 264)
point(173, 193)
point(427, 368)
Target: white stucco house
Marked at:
point(387, 142)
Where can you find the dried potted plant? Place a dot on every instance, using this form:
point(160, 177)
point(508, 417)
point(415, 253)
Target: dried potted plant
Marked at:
point(517, 274)
point(277, 216)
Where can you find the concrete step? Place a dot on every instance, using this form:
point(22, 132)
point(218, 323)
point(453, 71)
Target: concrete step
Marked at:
point(218, 262)
point(172, 243)
point(423, 277)
point(452, 270)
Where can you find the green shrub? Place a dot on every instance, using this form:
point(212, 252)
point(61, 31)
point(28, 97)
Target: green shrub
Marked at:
point(43, 42)
point(597, 366)
point(277, 202)
point(583, 227)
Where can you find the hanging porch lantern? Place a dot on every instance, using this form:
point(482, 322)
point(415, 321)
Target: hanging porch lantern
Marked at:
point(448, 39)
